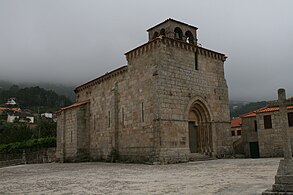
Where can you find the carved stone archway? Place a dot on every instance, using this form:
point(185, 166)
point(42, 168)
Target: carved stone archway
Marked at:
point(200, 128)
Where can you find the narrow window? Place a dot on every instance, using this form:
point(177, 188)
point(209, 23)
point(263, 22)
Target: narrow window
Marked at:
point(255, 126)
point(290, 119)
point(267, 122)
point(238, 132)
point(109, 119)
point(70, 136)
point(122, 117)
point(196, 60)
point(233, 133)
point(142, 112)
point(94, 121)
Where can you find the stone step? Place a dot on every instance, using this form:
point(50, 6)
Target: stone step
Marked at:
point(283, 187)
point(199, 157)
point(284, 179)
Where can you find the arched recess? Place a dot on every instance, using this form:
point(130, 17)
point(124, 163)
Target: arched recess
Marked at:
point(163, 32)
point(178, 34)
point(156, 34)
point(200, 128)
point(189, 37)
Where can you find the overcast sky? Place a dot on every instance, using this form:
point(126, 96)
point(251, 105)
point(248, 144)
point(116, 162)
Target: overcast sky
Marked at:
point(71, 42)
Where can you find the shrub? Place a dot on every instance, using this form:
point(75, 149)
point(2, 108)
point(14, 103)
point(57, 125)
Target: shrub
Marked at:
point(31, 144)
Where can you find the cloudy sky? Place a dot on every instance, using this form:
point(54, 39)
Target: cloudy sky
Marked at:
point(73, 41)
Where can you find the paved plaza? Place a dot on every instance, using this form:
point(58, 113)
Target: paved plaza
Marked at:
point(225, 176)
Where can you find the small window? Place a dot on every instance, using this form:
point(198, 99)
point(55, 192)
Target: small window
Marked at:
point(122, 117)
point(189, 37)
point(255, 126)
point(267, 121)
point(142, 112)
point(196, 60)
point(162, 32)
point(178, 34)
point(156, 34)
point(109, 119)
point(238, 132)
point(290, 119)
point(233, 133)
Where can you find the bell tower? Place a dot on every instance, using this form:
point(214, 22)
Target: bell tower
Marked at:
point(174, 29)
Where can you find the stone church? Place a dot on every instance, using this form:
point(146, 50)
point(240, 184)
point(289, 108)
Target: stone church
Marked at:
point(168, 103)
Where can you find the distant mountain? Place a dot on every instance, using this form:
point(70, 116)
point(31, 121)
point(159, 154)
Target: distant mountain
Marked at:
point(238, 107)
point(60, 89)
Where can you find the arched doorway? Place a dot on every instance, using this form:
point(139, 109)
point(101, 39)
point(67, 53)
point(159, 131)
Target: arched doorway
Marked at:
point(200, 129)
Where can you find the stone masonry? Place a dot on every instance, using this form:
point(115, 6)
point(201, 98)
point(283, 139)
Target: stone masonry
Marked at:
point(170, 101)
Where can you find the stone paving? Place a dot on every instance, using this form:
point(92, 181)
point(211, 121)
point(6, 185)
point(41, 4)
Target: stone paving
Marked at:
point(225, 176)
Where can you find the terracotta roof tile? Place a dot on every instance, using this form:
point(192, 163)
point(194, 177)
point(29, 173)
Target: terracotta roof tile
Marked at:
point(11, 109)
point(250, 114)
point(236, 122)
point(74, 105)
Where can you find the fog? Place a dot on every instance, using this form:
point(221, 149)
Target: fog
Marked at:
point(71, 42)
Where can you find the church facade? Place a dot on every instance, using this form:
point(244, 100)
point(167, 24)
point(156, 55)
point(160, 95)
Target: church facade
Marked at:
point(170, 101)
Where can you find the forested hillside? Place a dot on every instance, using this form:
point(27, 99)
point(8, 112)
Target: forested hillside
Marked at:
point(34, 98)
point(60, 89)
point(237, 109)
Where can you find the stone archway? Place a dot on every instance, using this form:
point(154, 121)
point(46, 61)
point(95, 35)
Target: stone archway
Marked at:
point(199, 128)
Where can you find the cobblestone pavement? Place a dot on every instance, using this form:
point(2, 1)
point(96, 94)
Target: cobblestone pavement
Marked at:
point(225, 176)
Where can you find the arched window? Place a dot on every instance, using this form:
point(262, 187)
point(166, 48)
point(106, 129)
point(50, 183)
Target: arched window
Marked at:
point(189, 37)
point(162, 32)
point(156, 34)
point(178, 34)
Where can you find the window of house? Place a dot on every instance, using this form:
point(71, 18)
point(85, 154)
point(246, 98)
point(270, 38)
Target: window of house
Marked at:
point(290, 119)
point(238, 132)
point(267, 121)
point(255, 125)
point(233, 133)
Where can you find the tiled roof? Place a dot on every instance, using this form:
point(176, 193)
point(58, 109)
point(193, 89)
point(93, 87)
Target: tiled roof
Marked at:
point(271, 109)
point(250, 114)
point(11, 109)
point(263, 110)
point(236, 122)
point(74, 105)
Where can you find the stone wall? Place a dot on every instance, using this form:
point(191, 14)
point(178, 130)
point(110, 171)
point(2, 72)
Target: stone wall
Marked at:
point(270, 141)
point(72, 134)
point(46, 155)
point(249, 134)
point(179, 84)
point(140, 112)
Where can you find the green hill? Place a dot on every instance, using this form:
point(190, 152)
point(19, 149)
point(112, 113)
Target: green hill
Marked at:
point(35, 98)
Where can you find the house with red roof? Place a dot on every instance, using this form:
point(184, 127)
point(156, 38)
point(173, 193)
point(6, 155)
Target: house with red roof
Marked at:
point(236, 124)
point(261, 131)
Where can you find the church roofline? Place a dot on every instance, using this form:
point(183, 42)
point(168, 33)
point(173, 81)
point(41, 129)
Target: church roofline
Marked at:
point(202, 50)
point(170, 19)
point(101, 78)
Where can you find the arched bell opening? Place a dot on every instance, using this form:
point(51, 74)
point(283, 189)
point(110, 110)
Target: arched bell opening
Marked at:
point(200, 129)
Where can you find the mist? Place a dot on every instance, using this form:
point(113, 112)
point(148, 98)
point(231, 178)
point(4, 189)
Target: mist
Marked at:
point(71, 42)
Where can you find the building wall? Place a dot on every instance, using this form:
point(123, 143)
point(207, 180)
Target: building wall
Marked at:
point(249, 134)
point(179, 84)
point(72, 134)
point(141, 111)
point(270, 140)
